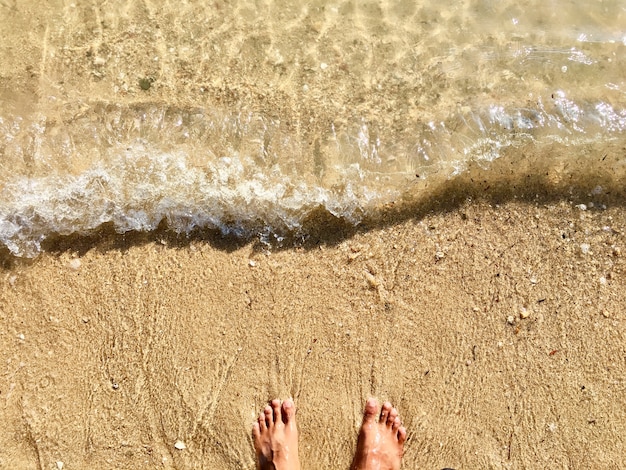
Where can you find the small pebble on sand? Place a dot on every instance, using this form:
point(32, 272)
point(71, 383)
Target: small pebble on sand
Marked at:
point(524, 313)
point(510, 319)
point(75, 263)
point(180, 445)
point(585, 248)
point(252, 263)
point(60, 465)
point(371, 280)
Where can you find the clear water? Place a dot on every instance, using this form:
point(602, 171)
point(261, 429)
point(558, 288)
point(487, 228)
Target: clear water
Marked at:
point(247, 117)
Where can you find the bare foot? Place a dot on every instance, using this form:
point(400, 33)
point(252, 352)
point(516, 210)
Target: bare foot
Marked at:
point(381, 439)
point(276, 437)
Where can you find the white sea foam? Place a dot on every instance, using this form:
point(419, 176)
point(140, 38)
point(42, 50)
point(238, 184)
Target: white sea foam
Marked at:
point(143, 186)
point(143, 165)
point(407, 93)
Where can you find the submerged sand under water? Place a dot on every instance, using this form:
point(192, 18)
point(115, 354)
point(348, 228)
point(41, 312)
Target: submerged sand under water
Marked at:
point(250, 119)
point(483, 298)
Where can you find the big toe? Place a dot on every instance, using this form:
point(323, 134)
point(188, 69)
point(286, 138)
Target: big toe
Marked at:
point(371, 409)
point(288, 411)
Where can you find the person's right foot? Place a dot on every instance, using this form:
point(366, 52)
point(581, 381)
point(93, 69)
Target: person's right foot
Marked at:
point(380, 445)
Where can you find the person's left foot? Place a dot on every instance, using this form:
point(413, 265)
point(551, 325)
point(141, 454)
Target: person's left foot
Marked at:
point(276, 437)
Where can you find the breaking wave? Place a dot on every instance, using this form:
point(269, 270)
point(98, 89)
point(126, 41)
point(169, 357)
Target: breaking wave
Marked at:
point(341, 109)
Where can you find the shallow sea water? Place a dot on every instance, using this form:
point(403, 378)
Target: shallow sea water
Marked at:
point(248, 117)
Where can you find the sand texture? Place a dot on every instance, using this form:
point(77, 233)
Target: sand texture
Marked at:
point(498, 332)
point(496, 325)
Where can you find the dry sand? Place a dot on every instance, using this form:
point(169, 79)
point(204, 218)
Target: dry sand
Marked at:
point(501, 342)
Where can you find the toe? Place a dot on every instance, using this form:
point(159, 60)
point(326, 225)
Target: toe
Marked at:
point(288, 411)
point(262, 423)
point(278, 418)
point(384, 412)
point(371, 408)
point(396, 424)
point(401, 435)
point(256, 431)
point(269, 419)
point(393, 414)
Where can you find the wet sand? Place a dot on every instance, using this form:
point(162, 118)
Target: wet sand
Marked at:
point(497, 331)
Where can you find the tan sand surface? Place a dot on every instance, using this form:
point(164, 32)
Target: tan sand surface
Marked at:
point(501, 342)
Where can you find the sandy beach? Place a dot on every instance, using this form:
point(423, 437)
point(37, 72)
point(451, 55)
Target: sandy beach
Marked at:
point(489, 309)
point(498, 332)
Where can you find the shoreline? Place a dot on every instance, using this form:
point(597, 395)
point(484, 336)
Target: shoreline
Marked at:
point(597, 184)
point(487, 307)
